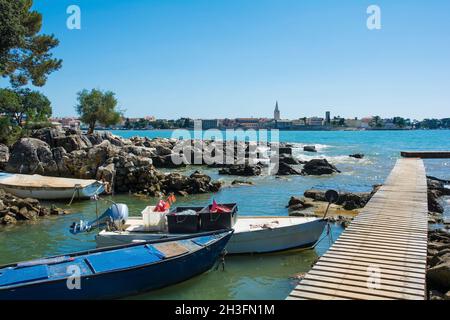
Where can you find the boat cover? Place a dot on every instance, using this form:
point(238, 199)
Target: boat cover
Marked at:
point(14, 276)
point(121, 259)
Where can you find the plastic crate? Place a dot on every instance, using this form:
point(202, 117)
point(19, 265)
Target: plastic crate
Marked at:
point(217, 221)
point(183, 223)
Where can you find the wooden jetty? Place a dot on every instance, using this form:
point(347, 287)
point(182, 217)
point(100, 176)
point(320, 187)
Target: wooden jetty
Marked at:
point(382, 254)
point(426, 154)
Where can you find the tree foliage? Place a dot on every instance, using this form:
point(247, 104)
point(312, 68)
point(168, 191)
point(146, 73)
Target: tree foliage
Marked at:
point(96, 106)
point(24, 54)
point(24, 104)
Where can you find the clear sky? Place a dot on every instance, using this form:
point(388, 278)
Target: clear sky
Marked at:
point(235, 58)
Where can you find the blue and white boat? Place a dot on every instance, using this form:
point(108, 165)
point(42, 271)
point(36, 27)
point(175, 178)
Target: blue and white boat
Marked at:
point(113, 272)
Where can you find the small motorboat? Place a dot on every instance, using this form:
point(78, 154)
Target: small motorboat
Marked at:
point(49, 188)
point(113, 272)
point(252, 234)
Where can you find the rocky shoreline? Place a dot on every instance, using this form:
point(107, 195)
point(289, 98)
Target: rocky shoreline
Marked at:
point(14, 209)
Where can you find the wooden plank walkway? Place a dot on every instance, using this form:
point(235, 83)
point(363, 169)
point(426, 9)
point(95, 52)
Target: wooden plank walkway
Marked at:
point(382, 254)
point(426, 154)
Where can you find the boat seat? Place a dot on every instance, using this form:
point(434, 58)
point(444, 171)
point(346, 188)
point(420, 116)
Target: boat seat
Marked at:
point(204, 241)
point(171, 249)
point(11, 276)
point(121, 259)
point(155, 251)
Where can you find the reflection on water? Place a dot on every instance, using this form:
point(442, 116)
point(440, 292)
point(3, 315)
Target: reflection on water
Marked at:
point(254, 276)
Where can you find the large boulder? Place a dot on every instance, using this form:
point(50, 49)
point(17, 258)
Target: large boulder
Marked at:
point(309, 148)
point(285, 169)
point(439, 276)
point(244, 170)
point(30, 156)
point(48, 135)
point(349, 200)
point(319, 167)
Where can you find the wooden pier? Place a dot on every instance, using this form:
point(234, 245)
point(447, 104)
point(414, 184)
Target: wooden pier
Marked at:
point(426, 154)
point(382, 254)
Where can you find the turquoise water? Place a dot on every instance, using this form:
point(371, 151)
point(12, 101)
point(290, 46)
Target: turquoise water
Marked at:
point(254, 276)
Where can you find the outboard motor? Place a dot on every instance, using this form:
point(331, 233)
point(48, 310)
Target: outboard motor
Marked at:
point(116, 216)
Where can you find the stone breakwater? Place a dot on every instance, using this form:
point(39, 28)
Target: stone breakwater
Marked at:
point(126, 164)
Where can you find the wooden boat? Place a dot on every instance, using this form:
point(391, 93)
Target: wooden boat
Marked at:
point(251, 234)
point(113, 272)
point(49, 188)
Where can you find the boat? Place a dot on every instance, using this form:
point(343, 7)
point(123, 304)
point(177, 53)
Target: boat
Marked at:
point(49, 188)
point(113, 272)
point(252, 234)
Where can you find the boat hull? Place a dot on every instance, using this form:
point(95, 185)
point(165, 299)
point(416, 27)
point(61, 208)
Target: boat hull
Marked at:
point(259, 241)
point(55, 193)
point(124, 282)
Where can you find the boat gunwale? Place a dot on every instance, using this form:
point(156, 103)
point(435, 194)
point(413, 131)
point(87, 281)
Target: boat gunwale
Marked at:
point(225, 232)
point(48, 188)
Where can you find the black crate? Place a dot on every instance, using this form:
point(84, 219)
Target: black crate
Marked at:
point(217, 221)
point(183, 223)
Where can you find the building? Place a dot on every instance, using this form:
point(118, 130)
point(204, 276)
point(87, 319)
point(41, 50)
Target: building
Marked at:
point(276, 113)
point(354, 123)
point(210, 124)
point(328, 118)
point(67, 123)
point(314, 121)
point(283, 124)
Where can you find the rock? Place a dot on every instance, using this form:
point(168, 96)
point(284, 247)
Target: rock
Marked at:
point(309, 148)
point(288, 159)
point(357, 156)
point(349, 200)
point(295, 201)
point(8, 219)
point(26, 214)
point(319, 167)
point(285, 169)
point(71, 142)
point(241, 170)
point(30, 156)
point(4, 156)
point(48, 135)
point(433, 201)
point(439, 276)
point(55, 211)
point(165, 161)
point(241, 183)
point(285, 150)
point(435, 295)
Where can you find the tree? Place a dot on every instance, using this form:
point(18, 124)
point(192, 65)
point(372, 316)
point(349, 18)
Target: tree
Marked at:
point(20, 104)
point(24, 54)
point(97, 107)
point(376, 122)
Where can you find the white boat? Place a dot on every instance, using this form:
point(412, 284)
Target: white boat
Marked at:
point(251, 234)
point(49, 188)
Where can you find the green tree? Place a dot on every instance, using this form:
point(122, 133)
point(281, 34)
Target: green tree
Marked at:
point(24, 104)
point(24, 53)
point(96, 106)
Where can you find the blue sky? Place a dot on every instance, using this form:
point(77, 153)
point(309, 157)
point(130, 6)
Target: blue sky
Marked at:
point(235, 58)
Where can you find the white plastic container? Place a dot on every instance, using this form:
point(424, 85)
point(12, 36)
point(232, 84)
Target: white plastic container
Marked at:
point(154, 221)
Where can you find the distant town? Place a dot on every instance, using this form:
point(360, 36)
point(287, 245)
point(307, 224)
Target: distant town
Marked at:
point(328, 122)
